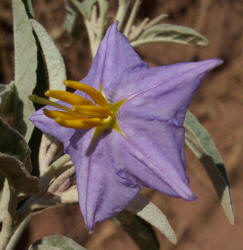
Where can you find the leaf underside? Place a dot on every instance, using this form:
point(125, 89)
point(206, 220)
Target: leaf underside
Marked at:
point(202, 145)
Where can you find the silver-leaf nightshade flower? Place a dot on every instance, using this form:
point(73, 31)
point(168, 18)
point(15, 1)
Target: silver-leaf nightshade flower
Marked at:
point(123, 127)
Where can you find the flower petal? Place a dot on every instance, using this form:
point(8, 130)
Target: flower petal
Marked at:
point(152, 121)
point(163, 93)
point(114, 57)
point(152, 152)
point(50, 127)
point(102, 193)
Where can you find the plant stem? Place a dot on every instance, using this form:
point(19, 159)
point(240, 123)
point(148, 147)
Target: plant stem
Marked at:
point(132, 17)
point(18, 232)
point(9, 217)
point(92, 39)
point(60, 179)
point(103, 5)
point(55, 169)
point(121, 12)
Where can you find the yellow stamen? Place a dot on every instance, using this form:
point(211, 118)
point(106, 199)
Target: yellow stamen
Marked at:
point(45, 101)
point(68, 97)
point(93, 111)
point(81, 113)
point(79, 123)
point(53, 114)
point(96, 96)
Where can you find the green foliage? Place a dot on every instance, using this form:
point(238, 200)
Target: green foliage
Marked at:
point(73, 22)
point(139, 230)
point(8, 206)
point(4, 200)
point(54, 61)
point(25, 67)
point(94, 20)
point(15, 164)
point(17, 175)
point(14, 144)
point(8, 102)
point(122, 11)
point(149, 212)
point(29, 8)
point(84, 7)
point(170, 33)
point(202, 145)
point(56, 242)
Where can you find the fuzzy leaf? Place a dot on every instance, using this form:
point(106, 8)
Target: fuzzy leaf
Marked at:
point(70, 17)
point(17, 175)
point(54, 61)
point(25, 67)
point(171, 33)
point(84, 7)
point(8, 205)
point(73, 20)
point(4, 200)
point(153, 215)
point(56, 242)
point(29, 8)
point(156, 20)
point(122, 11)
point(8, 102)
point(14, 144)
point(202, 145)
point(139, 230)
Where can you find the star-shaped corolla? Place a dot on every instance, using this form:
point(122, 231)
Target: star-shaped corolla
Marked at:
point(128, 131)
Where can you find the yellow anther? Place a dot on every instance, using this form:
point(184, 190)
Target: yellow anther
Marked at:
point(53, 114)
point(68, 97)
point(92, 111)
point(45, 101)
point(79, 123)
point(81, 113)
point(96, 96)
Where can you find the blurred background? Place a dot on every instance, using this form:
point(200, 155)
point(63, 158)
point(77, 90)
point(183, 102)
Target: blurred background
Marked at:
point(218, 105)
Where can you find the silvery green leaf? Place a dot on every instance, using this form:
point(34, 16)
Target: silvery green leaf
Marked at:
point(202, 145)
point(136, 31)
point(8, 204)
point(56, 242)
point(54, 61)
point(103, 9)
point(50, 150)
point(4, 200)
point(70, 16)
point(84, 7)
point(171, 33)
point(55, 169)
point(156, 20)
point(8, 102)
point(73, 20)
point(69, 196)
point(25, 67)
point(139, 230)
point(29, 8)
point(153, 215)
point(122, 12)
point(17, 175)
point(132, 17)
point(14, 144)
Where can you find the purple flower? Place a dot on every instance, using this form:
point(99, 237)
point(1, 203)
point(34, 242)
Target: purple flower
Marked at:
point(128, 133)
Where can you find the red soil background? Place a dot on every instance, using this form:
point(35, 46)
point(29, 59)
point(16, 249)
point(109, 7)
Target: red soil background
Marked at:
point(218, 105)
